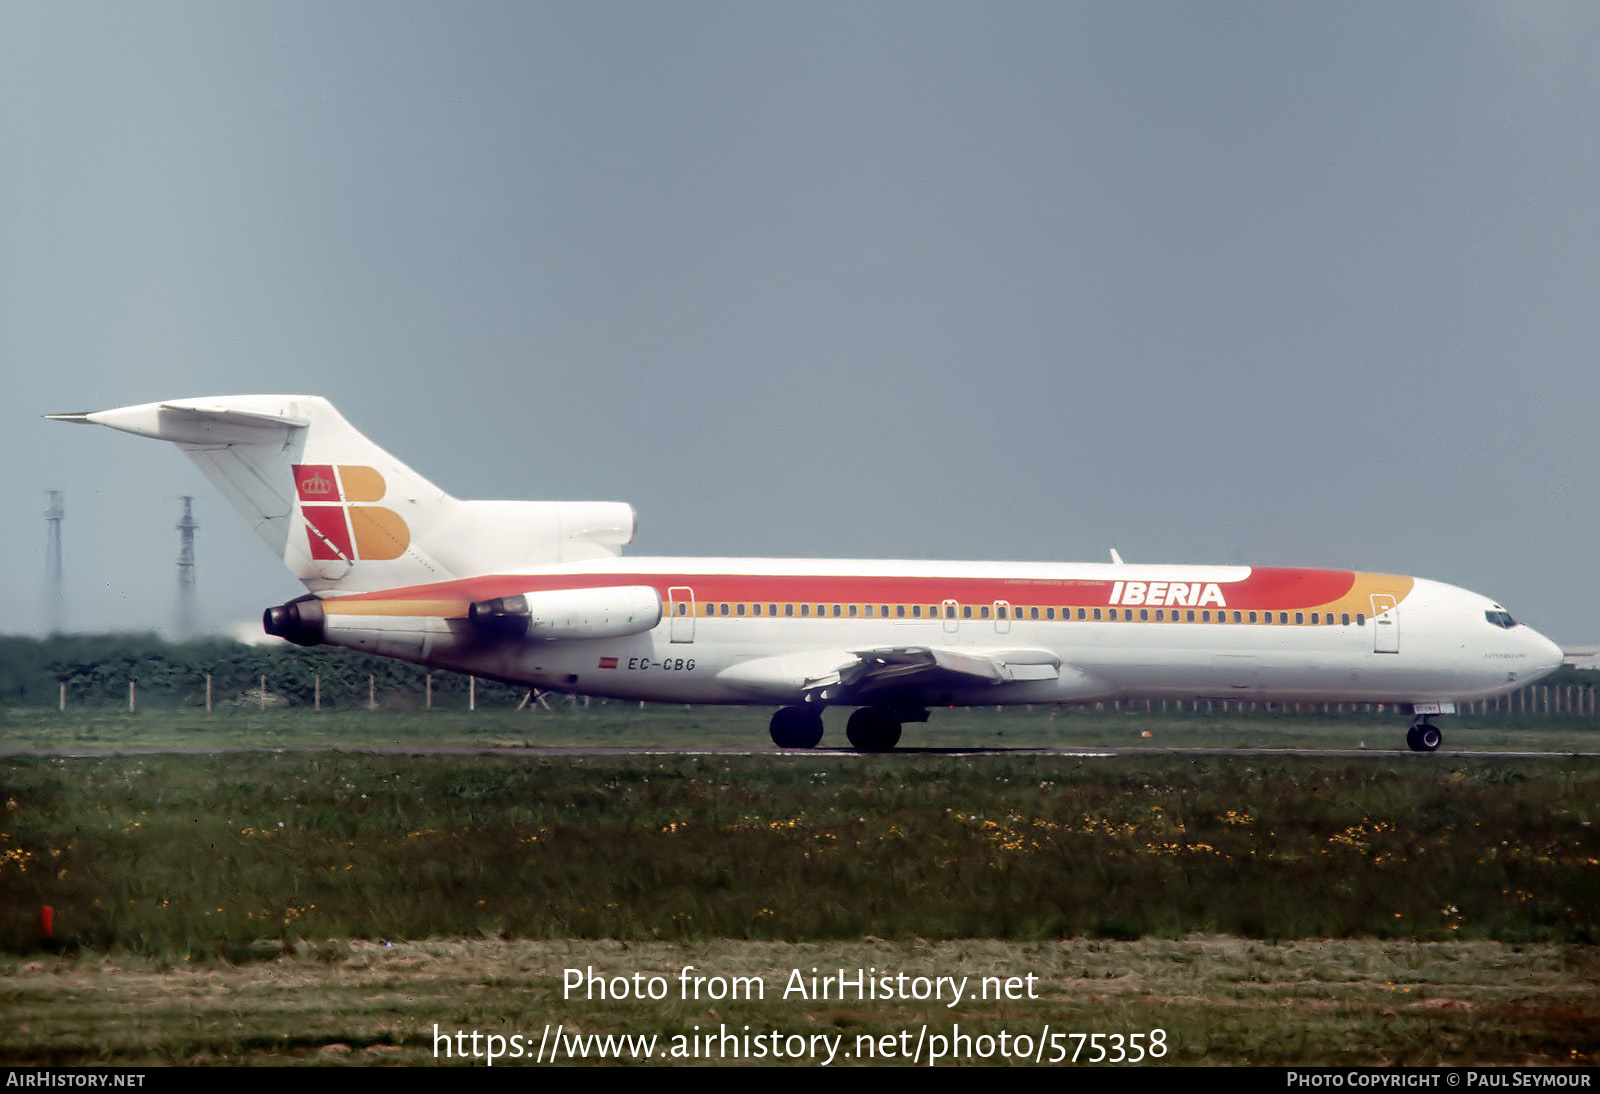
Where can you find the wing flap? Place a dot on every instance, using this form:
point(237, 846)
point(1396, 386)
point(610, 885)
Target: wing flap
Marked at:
point(850, 676)
point(993, 666)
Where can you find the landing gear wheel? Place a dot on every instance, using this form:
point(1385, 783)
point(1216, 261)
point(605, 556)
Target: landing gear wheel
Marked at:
point(797, 727)
point(1423, 737)
point(873, 729)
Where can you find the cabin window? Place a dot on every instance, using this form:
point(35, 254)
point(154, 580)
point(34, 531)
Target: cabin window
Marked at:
point(1083, 613)
point(756, 609)
point(885, 610)
point(741, 609)
point(1361, 619)
point(1252, 616)
point(1299, 617)
point(1033, 613)
point(1266, 617)
point(1315, 619)
point(916, 611)
point(837, 611)
point(869, 610)
point(683, 609)
point(966, 611)
point(853, 610)
point(1283, 617)
point(788, 611)
point(1344, 619)
point(1144, 615)
point(1189, 615)
point(772, 609)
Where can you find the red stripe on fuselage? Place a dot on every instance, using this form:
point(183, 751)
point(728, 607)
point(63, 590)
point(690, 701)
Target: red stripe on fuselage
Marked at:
point(1264, 587)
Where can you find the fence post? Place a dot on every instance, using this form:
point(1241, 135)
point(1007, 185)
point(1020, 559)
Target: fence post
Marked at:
point(208, 693)
point(317, 693)
point(427, 703)
point(263, 693)
point(372, 692)
point(132, 685)
point(472, 693)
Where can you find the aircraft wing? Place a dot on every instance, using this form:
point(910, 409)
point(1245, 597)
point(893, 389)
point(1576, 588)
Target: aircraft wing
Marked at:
point(854, 676)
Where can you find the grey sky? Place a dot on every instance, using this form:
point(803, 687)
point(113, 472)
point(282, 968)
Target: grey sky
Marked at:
point(1267, 283)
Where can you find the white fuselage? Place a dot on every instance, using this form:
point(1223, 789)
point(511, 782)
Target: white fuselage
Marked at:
point(1118, 631)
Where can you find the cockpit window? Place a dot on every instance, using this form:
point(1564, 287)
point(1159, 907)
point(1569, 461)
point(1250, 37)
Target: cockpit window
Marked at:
point(1500, 618)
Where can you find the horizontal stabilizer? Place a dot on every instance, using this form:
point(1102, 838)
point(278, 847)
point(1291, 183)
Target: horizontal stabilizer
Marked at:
point(190, 422)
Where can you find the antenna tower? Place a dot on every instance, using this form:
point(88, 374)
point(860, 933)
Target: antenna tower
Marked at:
point(55, 595)
point(186, 611)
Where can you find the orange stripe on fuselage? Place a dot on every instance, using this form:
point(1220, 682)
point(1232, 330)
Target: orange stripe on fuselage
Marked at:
point(440, 608)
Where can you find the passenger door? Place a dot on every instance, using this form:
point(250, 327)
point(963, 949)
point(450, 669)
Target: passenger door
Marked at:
point(1385, 623)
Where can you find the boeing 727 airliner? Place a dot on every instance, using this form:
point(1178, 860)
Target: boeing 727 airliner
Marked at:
point(538, 593)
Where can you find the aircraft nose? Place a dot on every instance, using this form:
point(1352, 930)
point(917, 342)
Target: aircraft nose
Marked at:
point(1545, 655)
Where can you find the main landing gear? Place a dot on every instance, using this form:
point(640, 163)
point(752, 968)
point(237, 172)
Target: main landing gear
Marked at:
point(870, 729)
point(1423, 736)
point(873, 729)
point(797, 727)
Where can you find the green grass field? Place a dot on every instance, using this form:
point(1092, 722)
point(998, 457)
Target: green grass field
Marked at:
point(1270, 908)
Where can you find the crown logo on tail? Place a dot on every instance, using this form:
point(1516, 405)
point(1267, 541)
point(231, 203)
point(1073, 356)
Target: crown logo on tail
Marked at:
point(315, 485)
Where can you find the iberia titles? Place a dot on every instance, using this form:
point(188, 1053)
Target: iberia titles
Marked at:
point(1155, 594)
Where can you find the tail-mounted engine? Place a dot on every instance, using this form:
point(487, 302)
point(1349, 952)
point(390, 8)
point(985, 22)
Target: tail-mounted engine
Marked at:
point(300, 621)
point(570, 613)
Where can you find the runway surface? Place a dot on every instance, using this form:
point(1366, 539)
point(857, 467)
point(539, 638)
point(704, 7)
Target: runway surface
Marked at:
point(539, 752)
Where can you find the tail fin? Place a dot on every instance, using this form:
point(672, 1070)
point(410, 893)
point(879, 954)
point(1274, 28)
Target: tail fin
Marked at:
point(343, 514)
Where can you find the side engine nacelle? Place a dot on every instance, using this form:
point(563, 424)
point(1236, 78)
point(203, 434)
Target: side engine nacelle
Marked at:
point(570, 613)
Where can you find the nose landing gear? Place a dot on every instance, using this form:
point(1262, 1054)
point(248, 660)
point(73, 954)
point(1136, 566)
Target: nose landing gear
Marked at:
point(1423, 736)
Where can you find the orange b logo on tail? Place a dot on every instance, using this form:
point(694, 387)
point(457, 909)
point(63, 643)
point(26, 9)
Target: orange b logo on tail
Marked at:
point(336, 528)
